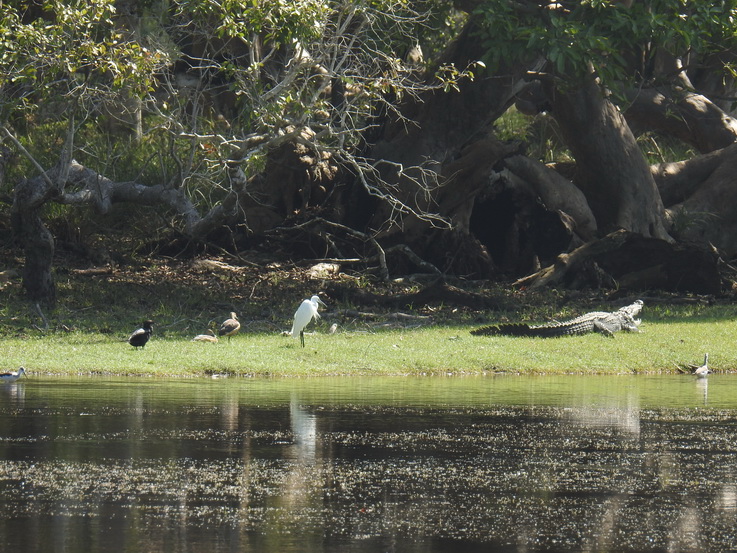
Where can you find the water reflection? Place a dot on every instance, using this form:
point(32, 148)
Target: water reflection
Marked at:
point(702, 384)
point(431, 464)
point(13, 392)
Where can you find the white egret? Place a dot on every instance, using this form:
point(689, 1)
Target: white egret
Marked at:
point(230, 327)
point(12, 376)
point(703, 370)
point(139, 338)
point(305, 313)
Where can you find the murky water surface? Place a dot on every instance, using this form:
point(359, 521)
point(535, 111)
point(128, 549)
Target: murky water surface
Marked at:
point(366, 465)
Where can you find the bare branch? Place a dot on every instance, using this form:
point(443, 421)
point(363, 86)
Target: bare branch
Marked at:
point(29, 156)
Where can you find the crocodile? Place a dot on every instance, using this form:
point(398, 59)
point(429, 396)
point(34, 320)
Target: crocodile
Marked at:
point(597, 321)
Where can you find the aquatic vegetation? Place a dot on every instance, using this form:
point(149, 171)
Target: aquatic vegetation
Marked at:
point(607, 463)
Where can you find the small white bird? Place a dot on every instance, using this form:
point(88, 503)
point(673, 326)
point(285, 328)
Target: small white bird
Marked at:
point(304, 314)
point(12, 376)
point(230, 327)
point(703, 370)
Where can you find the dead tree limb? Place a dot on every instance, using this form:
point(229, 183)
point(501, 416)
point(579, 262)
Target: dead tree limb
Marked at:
point(626, 260)
point(381, 254)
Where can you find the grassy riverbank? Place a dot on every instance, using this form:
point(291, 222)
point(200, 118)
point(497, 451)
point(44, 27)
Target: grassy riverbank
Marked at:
point(87, 332)
point(660, 347)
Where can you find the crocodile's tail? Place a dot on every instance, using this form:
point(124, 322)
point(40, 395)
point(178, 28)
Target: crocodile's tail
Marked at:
point(523, 329)
point(506, 329)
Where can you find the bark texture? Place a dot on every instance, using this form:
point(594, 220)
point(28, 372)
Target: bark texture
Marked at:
point(557, 193)
point(701, 198)
point(611, 169)
point(38, 243)
point(683, 114)
point(450, 136)
point(628, 261)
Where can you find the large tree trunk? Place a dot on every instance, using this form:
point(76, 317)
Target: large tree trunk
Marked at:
point(688, 116)
point(627, 261)
point(678, 110)
point(611, 169)
point(701, 196)
point(440, 161)
point(38, 243)
point(556, 193)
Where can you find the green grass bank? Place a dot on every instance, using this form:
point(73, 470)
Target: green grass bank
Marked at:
point(86, 332)
point(660, 347)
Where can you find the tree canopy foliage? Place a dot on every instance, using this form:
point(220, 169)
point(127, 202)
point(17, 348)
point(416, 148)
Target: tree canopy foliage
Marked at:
point(618, 40)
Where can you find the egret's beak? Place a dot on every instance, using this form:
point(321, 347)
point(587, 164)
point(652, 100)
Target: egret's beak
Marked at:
point(321, 302)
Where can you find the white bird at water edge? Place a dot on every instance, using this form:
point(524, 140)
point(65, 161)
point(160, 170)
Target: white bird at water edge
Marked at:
point(304, 314)
point(703, 370)
point(12, 376)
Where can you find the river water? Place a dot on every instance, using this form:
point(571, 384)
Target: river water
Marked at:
point(432, 464)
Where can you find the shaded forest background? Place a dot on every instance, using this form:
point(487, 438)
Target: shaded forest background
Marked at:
point(574, 144)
